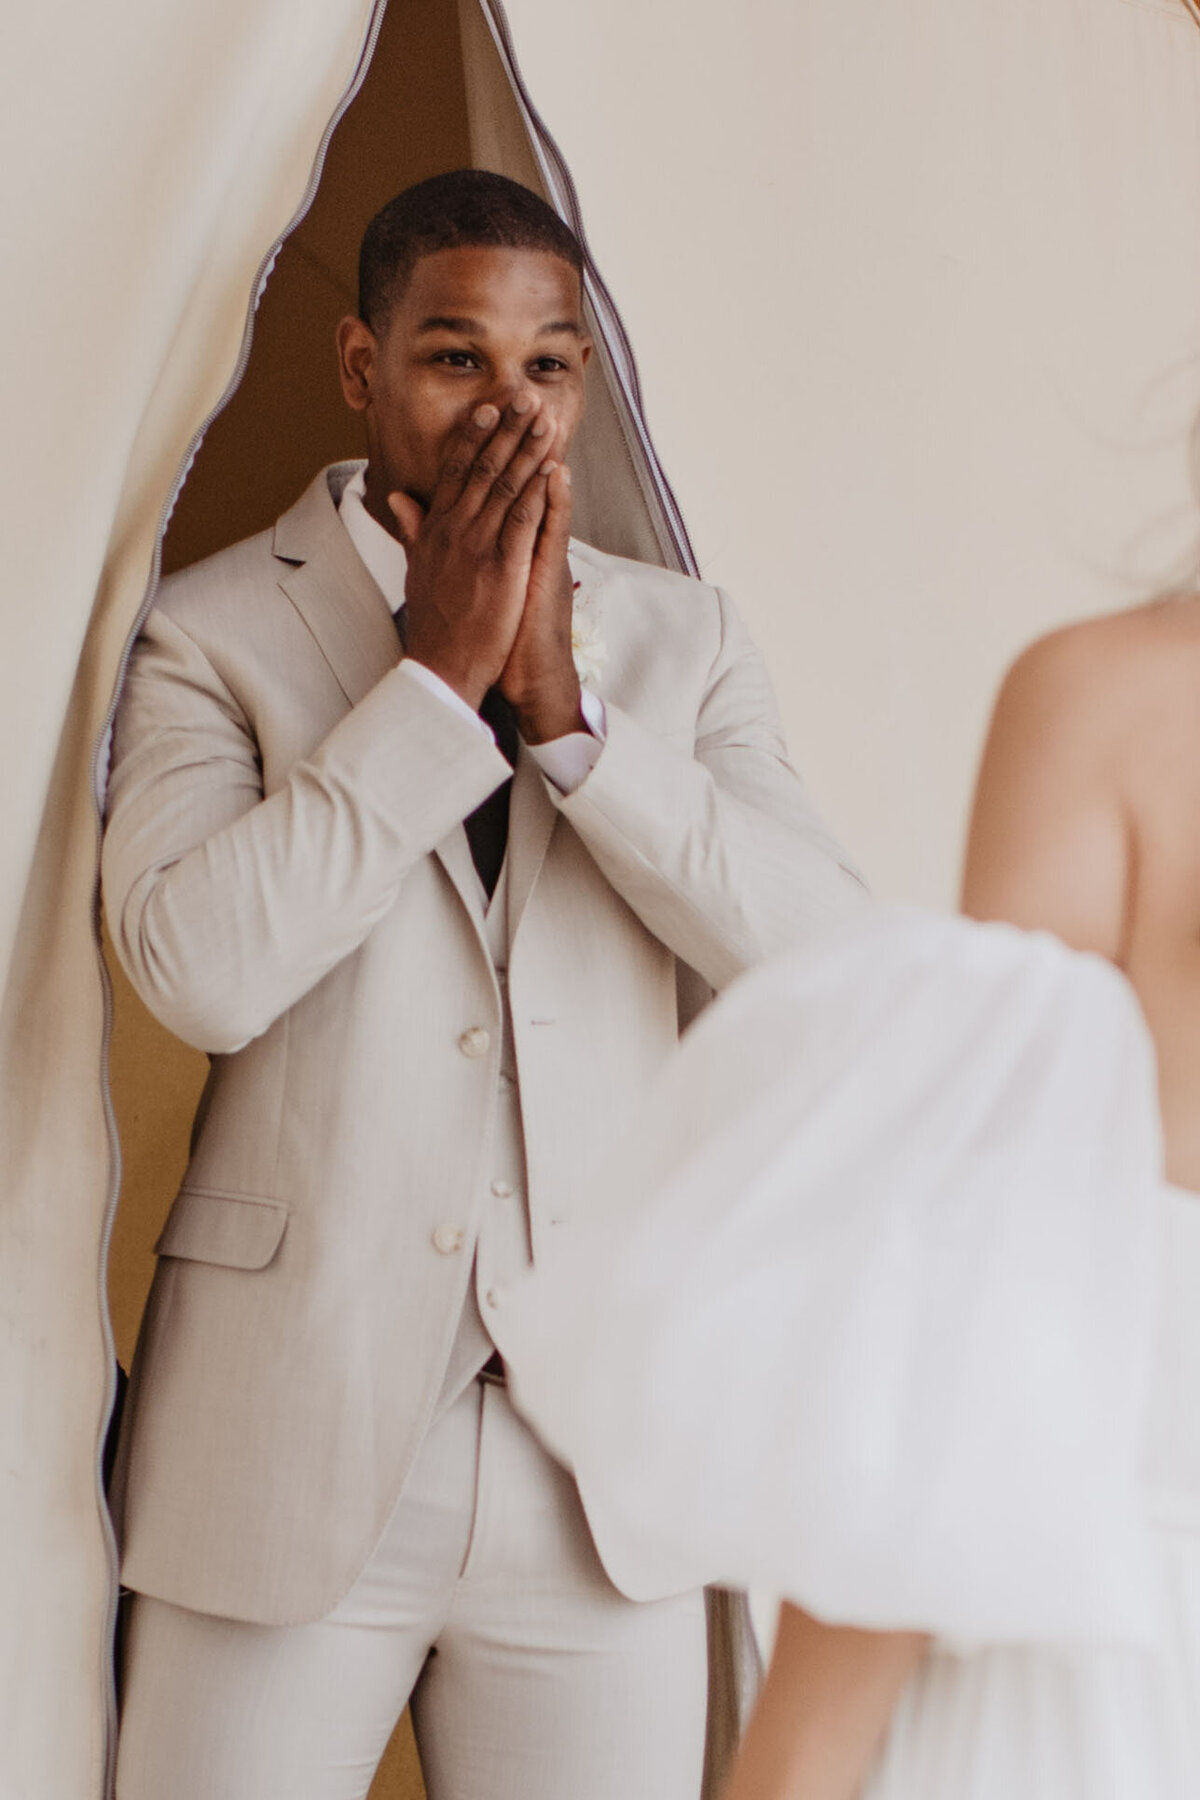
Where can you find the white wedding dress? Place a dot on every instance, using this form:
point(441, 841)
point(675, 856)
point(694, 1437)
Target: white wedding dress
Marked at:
point(902, 1322)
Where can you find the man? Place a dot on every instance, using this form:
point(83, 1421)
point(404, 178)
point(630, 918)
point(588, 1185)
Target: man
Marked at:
point(424, 899)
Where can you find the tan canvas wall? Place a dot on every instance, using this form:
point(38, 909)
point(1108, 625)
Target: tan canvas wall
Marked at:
point(916, 295)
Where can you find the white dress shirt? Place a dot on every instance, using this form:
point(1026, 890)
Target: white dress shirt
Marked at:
point(565, 761)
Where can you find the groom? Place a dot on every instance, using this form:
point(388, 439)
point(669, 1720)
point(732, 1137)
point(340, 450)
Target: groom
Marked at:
point(425, 899)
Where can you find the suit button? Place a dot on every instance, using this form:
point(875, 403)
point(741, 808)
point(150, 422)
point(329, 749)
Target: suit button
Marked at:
point(475, 1042)
point(448, 1238)
point(492, 1298)
point(503, 1190)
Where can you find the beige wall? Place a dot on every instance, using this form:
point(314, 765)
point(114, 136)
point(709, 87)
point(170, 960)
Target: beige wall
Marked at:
point(915, 290)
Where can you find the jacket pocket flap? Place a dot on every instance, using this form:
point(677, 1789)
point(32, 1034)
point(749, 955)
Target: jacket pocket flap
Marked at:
point(231, 1229)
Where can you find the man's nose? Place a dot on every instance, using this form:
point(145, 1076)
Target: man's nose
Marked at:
point(506, 387)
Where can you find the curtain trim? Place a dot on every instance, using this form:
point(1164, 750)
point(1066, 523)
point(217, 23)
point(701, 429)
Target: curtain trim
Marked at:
point(667, 517)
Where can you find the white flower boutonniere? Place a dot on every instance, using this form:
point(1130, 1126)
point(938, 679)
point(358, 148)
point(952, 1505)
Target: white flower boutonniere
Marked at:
point(589, 652)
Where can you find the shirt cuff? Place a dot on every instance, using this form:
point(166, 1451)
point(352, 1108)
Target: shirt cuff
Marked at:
point(441, 690)
point(568, 761)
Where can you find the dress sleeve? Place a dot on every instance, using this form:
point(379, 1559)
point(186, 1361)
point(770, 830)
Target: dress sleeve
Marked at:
point(874, 1327)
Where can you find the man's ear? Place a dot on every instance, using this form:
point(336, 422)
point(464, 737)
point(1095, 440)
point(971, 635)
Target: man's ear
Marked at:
point(585, 350)
point(357, 347)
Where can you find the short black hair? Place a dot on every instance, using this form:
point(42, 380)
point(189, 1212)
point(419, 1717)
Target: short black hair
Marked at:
point(468, 207)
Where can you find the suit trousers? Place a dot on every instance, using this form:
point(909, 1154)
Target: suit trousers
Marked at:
point(531, 1677)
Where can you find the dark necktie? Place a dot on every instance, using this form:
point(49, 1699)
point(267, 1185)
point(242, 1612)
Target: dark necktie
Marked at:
point(487, 826)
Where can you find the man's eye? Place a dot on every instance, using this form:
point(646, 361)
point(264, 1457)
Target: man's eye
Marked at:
point(549, 365)
point(457, 359)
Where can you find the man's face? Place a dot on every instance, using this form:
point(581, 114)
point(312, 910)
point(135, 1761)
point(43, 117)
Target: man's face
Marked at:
point(472, 325)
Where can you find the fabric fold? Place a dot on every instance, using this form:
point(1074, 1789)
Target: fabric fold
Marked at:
point(875, 1325)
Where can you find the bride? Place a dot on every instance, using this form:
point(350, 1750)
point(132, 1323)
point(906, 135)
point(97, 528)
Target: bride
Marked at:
point(905, 1320)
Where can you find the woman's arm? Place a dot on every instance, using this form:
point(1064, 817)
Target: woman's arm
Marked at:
point(823, 1710)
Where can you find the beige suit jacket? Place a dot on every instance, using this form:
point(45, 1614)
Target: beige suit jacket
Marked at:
point(289, 887)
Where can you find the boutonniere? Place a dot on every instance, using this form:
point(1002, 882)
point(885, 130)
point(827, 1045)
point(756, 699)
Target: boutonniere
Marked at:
point(588, 650)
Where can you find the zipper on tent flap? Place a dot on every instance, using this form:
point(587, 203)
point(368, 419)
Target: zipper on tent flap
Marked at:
point(99, 783)
point(612, 335)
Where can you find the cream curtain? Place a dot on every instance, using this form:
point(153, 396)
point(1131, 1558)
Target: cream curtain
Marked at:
point(915, 290)
point(151, 153)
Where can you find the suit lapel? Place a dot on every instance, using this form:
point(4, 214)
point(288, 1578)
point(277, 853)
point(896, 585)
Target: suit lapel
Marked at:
point(345, 611)
point(454, 854)
point(327, 582)
point(531, 821)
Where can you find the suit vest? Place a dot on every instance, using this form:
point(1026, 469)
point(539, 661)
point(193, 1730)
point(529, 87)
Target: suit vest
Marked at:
point(502, 1248)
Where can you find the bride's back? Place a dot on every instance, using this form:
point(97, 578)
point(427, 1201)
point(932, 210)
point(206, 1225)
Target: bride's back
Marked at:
point(1087, 822)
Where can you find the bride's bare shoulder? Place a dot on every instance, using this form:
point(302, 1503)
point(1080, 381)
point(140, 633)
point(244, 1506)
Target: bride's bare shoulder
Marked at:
point(1095, 726)
point(1108, 671)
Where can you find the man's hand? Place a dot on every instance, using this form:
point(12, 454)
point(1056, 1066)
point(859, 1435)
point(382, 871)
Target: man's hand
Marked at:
point(471, 556)
point(539, 679)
